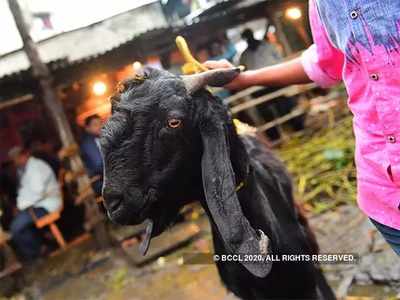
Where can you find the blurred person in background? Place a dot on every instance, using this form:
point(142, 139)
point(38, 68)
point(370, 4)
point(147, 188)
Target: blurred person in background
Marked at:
point(222, 48)
point(39, 193)
point(90, 151)
point(270, 37)
point(45, 150)
point(260, 53)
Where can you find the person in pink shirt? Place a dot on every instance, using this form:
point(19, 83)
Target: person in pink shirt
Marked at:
point(357, 42)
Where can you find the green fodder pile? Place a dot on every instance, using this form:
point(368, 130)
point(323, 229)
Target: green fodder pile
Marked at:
point(322, 166)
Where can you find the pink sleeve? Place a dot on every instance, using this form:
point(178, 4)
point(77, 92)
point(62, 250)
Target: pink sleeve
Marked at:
point(322, 62)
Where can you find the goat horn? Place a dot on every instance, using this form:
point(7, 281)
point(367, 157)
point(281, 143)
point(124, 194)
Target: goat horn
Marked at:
point(215, 78)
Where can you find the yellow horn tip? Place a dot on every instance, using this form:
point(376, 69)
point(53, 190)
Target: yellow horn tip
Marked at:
point(191, 64)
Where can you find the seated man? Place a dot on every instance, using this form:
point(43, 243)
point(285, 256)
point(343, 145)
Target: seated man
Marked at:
point(44, 149)
point(38, 191)
point(91, 152)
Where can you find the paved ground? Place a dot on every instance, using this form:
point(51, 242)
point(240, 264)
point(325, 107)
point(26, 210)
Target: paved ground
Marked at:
point(83, 273)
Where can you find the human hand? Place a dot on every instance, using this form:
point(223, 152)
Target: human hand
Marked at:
point(239, 83)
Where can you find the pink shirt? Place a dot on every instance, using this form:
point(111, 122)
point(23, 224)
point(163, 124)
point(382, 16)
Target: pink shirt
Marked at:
point(360, 45)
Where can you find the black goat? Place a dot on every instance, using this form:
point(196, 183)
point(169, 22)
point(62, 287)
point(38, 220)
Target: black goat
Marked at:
point(169, 140)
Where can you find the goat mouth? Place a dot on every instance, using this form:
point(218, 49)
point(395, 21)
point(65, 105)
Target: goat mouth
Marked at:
point(114, 205)
point(120, 211)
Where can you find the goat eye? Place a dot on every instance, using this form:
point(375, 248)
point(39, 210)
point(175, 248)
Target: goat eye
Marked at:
point(174, 123)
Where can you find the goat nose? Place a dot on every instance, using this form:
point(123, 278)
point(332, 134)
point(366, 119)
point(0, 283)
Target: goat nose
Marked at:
point(112, 199)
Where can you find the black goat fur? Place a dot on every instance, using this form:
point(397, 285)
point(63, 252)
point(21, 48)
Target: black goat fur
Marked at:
point(152, 170)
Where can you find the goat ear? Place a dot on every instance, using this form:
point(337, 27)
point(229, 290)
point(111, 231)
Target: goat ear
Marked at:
point(216, 78)
point(222, 202)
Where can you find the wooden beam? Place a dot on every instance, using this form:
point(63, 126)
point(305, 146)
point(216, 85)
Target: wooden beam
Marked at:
point(242, 94)
point(178, 236)
point(293, 114)
point(287, 91)
point(15, 101)
point(10, 269)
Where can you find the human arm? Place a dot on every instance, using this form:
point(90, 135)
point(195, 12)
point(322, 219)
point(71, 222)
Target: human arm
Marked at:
point(283, 74)
point(321, 63)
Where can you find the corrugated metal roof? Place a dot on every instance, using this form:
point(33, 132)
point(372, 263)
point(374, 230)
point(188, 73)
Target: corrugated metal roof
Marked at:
point(90, 41)
point(105, 44)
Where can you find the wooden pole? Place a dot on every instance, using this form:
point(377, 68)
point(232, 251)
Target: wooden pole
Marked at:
point(49, 95)
point(15, 101)
point(276, 19)
point(301, 30)
point(42, 73)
